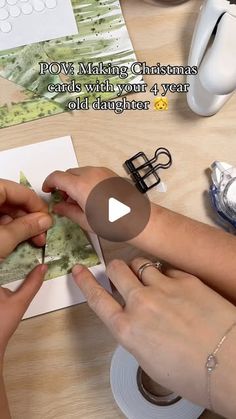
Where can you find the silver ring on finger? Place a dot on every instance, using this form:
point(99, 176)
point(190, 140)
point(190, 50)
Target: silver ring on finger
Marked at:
point(156, 265)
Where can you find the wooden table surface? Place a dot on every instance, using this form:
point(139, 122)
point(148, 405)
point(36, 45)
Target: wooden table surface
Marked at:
point(57, 365)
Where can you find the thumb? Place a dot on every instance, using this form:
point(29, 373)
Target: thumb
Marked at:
point(29, 288)
point(21, 229)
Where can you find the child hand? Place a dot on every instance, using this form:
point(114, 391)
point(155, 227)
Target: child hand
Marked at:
point(23, 216)
point(13, 305)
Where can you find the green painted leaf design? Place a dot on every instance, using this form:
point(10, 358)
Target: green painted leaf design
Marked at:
point(102, 37)
point(67, 245)
point(24, 181)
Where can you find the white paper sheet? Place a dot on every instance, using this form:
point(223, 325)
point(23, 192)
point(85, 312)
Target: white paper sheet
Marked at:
point(38, 161)
point(27, 28)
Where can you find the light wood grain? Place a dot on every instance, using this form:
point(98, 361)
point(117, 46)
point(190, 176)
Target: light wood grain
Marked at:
point(57, 365)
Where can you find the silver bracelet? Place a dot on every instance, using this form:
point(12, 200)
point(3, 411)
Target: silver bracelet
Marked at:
point(212, 363)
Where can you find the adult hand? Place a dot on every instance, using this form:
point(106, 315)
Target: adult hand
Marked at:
point(13, 305)
point(170, 322)
point(189, 241)
point(23, 216)
point(76, 185)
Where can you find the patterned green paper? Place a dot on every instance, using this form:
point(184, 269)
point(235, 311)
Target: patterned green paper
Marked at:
point(102, 37)
point(66, 246)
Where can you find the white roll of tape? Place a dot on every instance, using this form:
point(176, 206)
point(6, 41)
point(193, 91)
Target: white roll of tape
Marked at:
point(123, 378)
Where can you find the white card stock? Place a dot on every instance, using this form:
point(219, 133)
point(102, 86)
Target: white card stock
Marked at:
point(37, 161)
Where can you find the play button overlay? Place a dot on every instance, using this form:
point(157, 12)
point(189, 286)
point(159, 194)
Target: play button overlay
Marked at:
point(116, 210)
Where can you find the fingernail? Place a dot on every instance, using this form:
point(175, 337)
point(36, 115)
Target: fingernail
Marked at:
point(45, 222)
point(44, 269)
point(77, 269)
point(54, 208)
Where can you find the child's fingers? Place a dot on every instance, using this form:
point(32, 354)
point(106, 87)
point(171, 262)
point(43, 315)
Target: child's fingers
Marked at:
point(13, 194)
point(40, 240)
point(11, 213)
point(22, 229)
point(5, 219)
point(29, 288)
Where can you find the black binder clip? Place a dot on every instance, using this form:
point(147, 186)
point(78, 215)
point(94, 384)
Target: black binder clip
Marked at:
point(144, 172)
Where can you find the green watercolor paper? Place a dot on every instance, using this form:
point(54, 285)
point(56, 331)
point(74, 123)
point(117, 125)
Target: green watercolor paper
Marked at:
point(66, 245)
point(102, 37)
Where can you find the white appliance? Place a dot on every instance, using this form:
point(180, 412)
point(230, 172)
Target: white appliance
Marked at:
point(213, 50)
